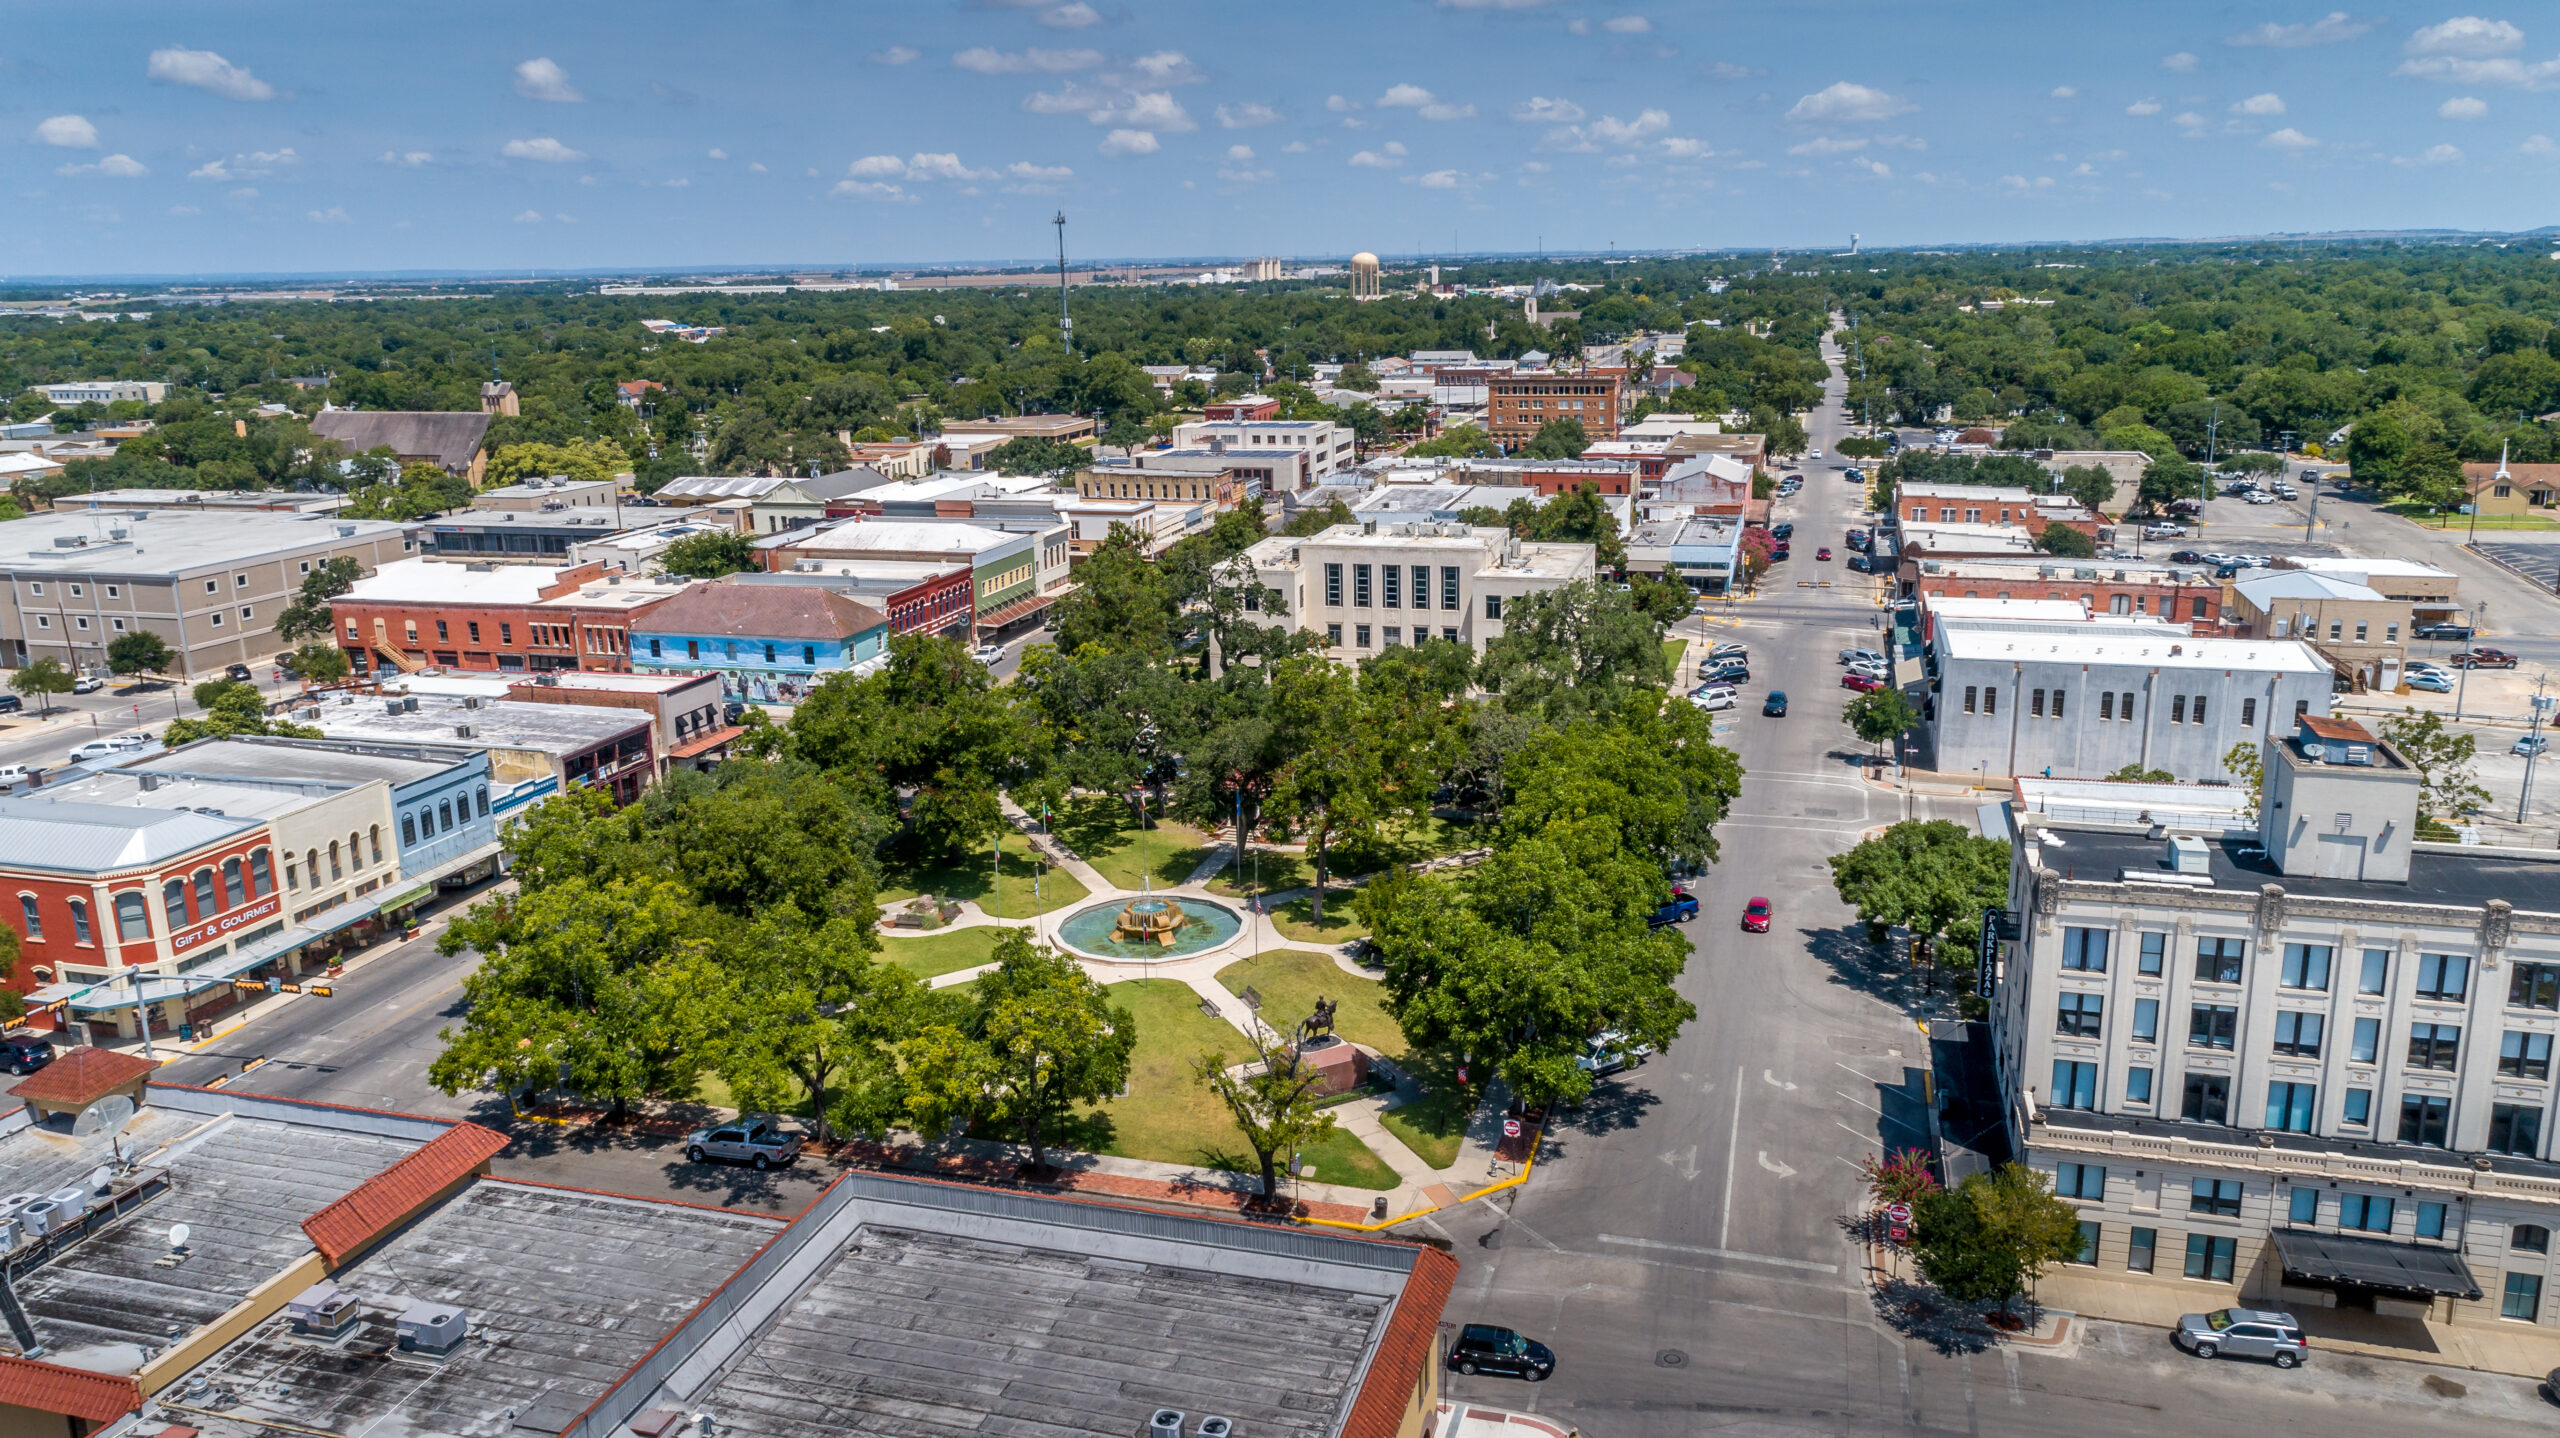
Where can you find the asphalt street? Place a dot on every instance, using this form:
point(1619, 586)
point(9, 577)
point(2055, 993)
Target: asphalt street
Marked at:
point(46, 740)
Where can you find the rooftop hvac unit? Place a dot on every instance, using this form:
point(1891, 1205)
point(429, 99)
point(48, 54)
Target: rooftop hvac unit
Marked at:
point(308, 716)
point(346, 531)
point(17, 1203)
point(464, 731)
point(323, 1311)
point(1166, 1424)
point(1215, 1428)
point(77, 1198)
point(434, 1329)
point(11, 1235)
point(391, 705)
point(118, 533)
point(470, 701)
point(44, 1216)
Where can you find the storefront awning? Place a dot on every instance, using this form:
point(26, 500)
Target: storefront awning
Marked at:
point(705, 743)
point(1018, 610)
point(2336, 1260)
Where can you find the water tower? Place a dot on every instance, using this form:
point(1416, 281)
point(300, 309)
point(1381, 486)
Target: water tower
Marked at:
point(1364, 276)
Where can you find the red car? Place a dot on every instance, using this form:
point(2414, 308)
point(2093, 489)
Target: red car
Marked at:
point(1860, 682)
point(1823, 554)
point(2484, 659)
point(1755, 917)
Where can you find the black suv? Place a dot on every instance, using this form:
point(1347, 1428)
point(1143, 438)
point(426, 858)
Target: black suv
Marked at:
point(1483, 1348)
point(24, 1053)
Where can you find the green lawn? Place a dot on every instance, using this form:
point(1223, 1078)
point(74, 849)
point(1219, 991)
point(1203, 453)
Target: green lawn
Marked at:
point(1270, 871)
point(1291, 980)
point(1296, 920)
point(1266, 871)
point(1433, 1125)
point(1167, 1116)
point(1672, 650)
point(903, 875)
point(943, 953)
point(1106, 833)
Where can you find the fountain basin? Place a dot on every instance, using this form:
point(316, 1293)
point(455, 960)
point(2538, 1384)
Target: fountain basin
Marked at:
point(1096, 929)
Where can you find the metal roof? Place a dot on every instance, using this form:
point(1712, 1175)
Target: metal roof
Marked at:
point(68, 836)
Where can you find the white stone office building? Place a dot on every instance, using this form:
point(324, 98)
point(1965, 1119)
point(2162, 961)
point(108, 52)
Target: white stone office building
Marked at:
point(1380, 584)
point(1326, 446)
point(2086, 700)
point(2304, 1067)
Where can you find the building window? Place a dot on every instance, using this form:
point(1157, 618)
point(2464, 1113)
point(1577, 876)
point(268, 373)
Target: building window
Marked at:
point(292, 873)
point(2196, 610)
point(1449, 587)
point(2124, 706)
point(2248, 707)
point(1361, 632)
point(2085, 949)
point(2390, 632)
point(2218, 960)
point(133, 918)
point(1333, 635)
point(2434, 1046)
point(2523, 1298)
point(2306, 966)
point(2430, 1220)
point(2106, 703)
point(204, 894)
point(2196, 714)
point(408, 832)
point(233, 894)
point(2358, 1109)
point(2210, 1258)
point(173, 904)
point(2140, 1244)
point(2300, 708)
point(484, 803)
point(336, 870)
point(2302, 1206)
point(1392, 593)
point(2366, 1044)
point(2334, 626)
point(2217, 1196)
point(2208, 1098)
point(2035, 704)
point(2075, 1085)
point(373, 836)
point(35, 923)
point(2424, 1120)
point(1447, 634)
point(2155, 952)
point(2524, 1056)
point(2364, 1212)
point(2534, 986)
point(2086, 1255)
point(2515, 1128)
point(2080, 1180)
point(80, 922)
point(2146, 1020)
point(2377, 970)
point(262, 874)
point(693, 649)
point(2057, 704)
point(2212, 1026)
point(2080, 1016)
point(2529, 1238)
point(2137, 1085)
point(657, 649)
point(1991, 699)
point(1493, 606)
point(2291, 1105)
point(1394, 635)
point(2443, 976)
point(1360, 586)
point(1970, 692)
point(472, 625)
point(2178, 709)
point(2298, 1034)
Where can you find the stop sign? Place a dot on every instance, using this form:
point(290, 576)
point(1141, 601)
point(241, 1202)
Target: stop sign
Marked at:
point(1898, 1213)
point(1511, 1128)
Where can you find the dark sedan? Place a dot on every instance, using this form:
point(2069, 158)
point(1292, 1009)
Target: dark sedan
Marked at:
point(1775, 706)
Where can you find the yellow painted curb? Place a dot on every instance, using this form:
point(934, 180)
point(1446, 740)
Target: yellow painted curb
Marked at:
point(1513, 1182)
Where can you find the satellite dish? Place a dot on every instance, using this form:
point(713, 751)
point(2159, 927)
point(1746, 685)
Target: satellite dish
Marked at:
point(178, 1233)
point(99, 1176)
point(103, 1120)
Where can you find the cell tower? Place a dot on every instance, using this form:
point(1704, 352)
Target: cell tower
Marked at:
point(1066, 325)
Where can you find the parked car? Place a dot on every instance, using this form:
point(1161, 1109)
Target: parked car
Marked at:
point(1823, 555)
point(24, 1053)
point(239, 672)
point(12, 704)
point(2427, 666)
point(2164, 531)
point(1863, 683)
point(2483, 659)
point(2430, 681)
point(2462, 632)
point(1783, 531)
point(755, 1141)
point(1865, 564)
point(2188, 556)
point(87, 684)
point(1859, 539)
point(1609, 1052)
point(2243, 1333)
point(1855, 656)
point(1712, 697)
point(1484, 1348)
point(1869, 668)
point(1680, 910)
point(130, 743)
point(1731, 671)
point(2258, 497)
point(1775, 706)
point(94, 749)
point(988, 653)
point(1756, 915)
point(1779, 553)
point(1730, 649)
point(14, 774)
point(1854, 475)
point(1813, 454)
point(2530, 745)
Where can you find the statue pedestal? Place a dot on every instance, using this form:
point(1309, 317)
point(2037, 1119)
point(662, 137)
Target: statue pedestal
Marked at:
point(1343, 1066)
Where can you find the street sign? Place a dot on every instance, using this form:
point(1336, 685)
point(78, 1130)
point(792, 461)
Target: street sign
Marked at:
point(1511, 1128)
point(1898, 1213)
point(1898, 1235)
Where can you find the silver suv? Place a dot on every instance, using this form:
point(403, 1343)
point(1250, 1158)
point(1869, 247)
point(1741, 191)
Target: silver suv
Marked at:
point(755, 1141)
point(2243, 1333)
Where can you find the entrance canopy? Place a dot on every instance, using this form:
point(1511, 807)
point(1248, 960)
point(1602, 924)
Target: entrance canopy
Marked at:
point(2332, 1260)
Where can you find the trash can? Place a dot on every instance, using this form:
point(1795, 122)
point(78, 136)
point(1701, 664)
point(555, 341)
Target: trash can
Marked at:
point(186, 1033)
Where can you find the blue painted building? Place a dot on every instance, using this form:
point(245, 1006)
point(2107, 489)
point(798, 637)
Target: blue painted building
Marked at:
point(769, 643)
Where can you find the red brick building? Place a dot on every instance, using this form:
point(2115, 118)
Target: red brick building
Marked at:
point(1519, 402)
point(497, 618)
point(1552, 477)
point(2192, 597)
point(1250, 408)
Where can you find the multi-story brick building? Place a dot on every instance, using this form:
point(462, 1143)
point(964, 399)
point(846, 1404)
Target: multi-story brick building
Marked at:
point(2123, 588)
point(501, 618)
point(1519, 402)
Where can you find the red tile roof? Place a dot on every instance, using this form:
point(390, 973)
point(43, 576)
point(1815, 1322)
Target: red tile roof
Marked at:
point(52, 1388)
point(389, 1198)
point(2346, 729)
point(81, 1077)
point(1406, 1352)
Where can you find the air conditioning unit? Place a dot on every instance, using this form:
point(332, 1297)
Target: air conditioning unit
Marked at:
point(1167, 1423)
point(323, 1311)
point(464, 731)
point(433, 1329)
point(391, 705)
point(409, 704)
point(1215, 1428)
point(470, 701)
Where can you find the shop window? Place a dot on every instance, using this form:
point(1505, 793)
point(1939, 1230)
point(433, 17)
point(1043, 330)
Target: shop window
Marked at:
point(173, 903)
point(133, 918)
point(234, 891)
point(262, 873)
point(80, 922)
point(35, 923)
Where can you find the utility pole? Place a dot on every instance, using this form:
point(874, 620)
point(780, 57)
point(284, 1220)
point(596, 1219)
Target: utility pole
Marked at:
point(2542, 703)
point(2472, 497)
point(2212, 429)
point(2479, 612)
point(1066, 326)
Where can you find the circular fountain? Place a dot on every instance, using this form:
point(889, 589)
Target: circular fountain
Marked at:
point(1150, 926)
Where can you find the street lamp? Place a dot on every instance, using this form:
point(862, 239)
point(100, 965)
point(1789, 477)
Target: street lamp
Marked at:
point(2541, 706)
point(2479, 612)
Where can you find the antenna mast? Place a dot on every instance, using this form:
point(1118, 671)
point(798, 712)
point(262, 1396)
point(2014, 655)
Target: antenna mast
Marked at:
point(1066, 326)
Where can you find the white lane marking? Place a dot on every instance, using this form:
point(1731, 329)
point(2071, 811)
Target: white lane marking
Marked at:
point(1732, 1142)
point(1776, 1082)
point(1775, 1166)
point(1721, 1252)
point(1683, 1163)
point(2009, 1362)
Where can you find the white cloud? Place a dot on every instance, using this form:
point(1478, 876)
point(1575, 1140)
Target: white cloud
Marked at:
point(895, 55)
point(1627, 25)
point(1238, 154)
point(984, 61)
point(2268, 103)
point(1073, 16)
point(1877, 168)
point(1372, 160)
point(1406, 97)
point(944, 166)
point(208, 72)
point(2289, 138)
point(1677, 147)
point(1246, 115)
point(1130, 142)
point(1540, 110)
point(1025, 170)
point(1827, 145)
point(871, 190)
point(1296, 147)
point(678, 183)
point(2063, 92)
point(1244, 175)
point(877, 167)
point(2329, 29)
point(543, 79)
point(1846, 103)
point(330, 216)
point(410, 158)
point(2143, 106)
point(2440, 155)
point(757, 168)
point(2178, 64)
point(70, 132)
point(545, 149)
point(529, 217)
point(1168, 67)
point(2466, 36)
point(114, 167)
point(717, 153)
point(184, 210)
point(2021, 182)
point(1609, 129)
point(1727, 70)
point(1340, 105)
point(2187, 120)
point(1581, 26)
point(1395, 147)
point(1153, 110)
point(1441, 180)
point(244, 167)
point(2462, 107)
point(1447, 112)
point(2541, 147)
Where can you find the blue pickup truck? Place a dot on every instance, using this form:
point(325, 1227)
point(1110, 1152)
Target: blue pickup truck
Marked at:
point(1681, 909)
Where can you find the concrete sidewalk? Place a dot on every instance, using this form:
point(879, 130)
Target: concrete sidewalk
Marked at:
point(2519, 1349)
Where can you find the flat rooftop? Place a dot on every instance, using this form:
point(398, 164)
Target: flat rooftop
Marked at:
point(2040, 568)
point(563, 1291)
point(612, 683)
point(895, 536)
point(558, 729)
point(2094, 644)
point(455, 581)
point(158, 542)
point(2454, 876)
point(599, 517)
point(323, 761)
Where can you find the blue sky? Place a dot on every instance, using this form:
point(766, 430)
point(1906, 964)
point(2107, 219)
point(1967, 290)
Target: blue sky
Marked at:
point(213, 137)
